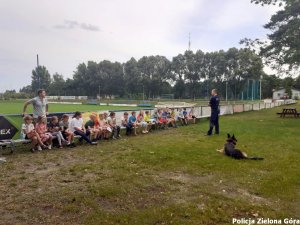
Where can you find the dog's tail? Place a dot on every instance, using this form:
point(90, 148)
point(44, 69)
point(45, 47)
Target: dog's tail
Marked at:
point(255, 158)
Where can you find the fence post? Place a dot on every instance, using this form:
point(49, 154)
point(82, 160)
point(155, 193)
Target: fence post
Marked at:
point(201, 111)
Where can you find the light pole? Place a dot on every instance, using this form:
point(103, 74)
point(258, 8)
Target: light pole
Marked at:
point(260, 88)
point(226, 90)
point(99, 93)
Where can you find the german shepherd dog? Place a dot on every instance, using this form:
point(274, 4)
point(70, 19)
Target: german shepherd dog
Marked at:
point(230, 150)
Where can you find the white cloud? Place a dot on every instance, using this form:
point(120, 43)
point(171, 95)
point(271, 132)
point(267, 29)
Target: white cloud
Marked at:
point(122, 29)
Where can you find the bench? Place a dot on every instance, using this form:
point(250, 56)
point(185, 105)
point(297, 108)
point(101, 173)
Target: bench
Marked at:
point(288, 111)
point(12, 143)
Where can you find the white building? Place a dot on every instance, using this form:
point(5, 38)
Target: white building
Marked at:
point(281, 94)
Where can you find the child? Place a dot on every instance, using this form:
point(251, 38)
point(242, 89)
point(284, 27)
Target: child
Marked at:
point(54, 128)
point(180, 116)
point(67, 134)
point(192, 116)
point(158, 118)
point(164, 118)
point(41, 129)
point(142, 122)
point(28, 132)
point(185, 116)
point(76, 126)
point(112, 122)
point(104, 126)
point(91, 125)
point(148, 120)
point(133, 122)
point(173, 118)
point(125, 123)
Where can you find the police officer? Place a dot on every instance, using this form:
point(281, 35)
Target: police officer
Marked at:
point(215, 111)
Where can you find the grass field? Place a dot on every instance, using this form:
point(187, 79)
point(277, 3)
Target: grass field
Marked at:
point(16, 107)
point(172, 176)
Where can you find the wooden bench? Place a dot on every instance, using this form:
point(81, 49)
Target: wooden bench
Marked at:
point(289, 112)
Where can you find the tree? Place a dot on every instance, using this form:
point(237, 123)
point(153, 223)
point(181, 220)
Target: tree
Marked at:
point(79, 83)
point(40, 78)
point(57, 85)
point(112, 78)
point(283, 45)
point(269, 83)
point(27, 89)
point(287, 83)
point(177, 75)
point(297, 83)
point(132, 77)
point(154, 71)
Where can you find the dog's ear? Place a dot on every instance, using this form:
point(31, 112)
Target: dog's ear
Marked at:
point(233, 137)
point(228, 135)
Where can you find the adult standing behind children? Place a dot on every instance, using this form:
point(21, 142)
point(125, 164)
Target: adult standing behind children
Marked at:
point(40, 105)
point(214, 104)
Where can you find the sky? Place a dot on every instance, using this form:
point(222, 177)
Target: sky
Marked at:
point(65, 33)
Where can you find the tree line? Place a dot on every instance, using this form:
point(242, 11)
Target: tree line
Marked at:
point(188, 75)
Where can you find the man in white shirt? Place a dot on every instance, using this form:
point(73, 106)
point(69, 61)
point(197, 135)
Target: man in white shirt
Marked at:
point(40, 105)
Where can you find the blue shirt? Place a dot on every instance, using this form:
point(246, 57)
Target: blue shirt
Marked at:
point(164, 115)
point(132, 120)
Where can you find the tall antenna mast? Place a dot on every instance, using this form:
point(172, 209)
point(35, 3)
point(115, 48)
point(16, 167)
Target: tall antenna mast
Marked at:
point(189, 41)
point(37, 60)
point(37, 67)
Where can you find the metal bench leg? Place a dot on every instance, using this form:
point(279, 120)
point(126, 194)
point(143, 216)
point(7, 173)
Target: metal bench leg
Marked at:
point(12, 147)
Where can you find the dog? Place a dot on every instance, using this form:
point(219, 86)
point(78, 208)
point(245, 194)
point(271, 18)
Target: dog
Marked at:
point(230, 150)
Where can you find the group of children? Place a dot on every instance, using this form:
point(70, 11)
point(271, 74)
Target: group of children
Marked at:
point(102, 126)
point(41, 134)
point(161, 118)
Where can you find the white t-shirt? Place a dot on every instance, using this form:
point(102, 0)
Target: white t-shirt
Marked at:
point(111, 121)
point(124, 121)
point(76, 123)
point(26, 128)
point(39, 106)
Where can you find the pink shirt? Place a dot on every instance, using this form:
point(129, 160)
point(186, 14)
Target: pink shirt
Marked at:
point(41, 128)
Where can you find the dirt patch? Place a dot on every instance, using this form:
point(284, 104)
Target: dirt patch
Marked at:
point(186, 178)
point(243, 194)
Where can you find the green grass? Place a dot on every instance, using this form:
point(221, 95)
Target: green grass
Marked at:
point(16, 107)
point(173, 176)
